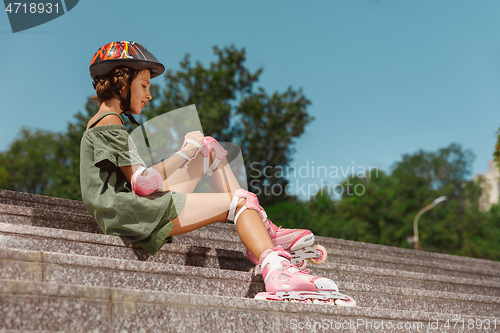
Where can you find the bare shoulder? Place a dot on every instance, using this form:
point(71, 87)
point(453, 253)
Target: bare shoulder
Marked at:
point(110, 119)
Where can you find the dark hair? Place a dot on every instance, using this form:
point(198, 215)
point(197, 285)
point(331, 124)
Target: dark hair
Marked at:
point(107, 86)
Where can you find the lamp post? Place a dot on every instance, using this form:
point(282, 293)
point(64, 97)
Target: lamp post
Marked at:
point(416, 240)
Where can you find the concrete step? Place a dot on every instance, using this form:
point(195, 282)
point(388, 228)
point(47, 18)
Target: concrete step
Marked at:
point(29, 209)
point(54, 261)
point(84, 270)
point(223, 237)
point(47, 218)
point(35, 306)
point(225, 253)
point(131, 274)
point(223, 232)
point(15, 198)
point(391, 251)
point(224, 256)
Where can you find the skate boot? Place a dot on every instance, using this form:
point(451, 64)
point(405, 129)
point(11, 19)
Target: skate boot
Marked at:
point(297, 242)
point(285, 282)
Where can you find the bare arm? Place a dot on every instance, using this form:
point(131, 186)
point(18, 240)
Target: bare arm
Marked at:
point(166, 167)
point(171, 164)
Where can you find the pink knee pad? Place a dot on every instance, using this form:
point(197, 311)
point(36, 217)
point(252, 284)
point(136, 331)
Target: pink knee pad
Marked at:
point(205, 148)
point(211, 144)
point(252, 202)
point(145, 185)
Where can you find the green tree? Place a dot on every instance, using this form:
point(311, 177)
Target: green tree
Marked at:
point(67, 183)
point(386, 209)
point(266, 132)
point(231, 110)
point(496, 151)
point(47, 163)
point(383, 211)
point(370, 215)
point(32, 162)
point(291, 213)
point(488, 247)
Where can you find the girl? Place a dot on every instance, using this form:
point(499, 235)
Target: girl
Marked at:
point(126, 199)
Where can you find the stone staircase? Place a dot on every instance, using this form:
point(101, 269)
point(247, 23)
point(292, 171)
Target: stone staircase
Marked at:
point(58, 272)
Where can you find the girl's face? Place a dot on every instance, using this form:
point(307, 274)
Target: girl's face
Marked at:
point(139, 90)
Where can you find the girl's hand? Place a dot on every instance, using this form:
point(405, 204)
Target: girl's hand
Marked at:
point(190, 149)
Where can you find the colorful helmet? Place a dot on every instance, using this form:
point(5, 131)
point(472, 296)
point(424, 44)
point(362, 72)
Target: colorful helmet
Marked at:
point(124, 53)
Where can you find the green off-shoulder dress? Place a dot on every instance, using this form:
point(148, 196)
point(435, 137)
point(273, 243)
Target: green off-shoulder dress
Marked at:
point(108, 195)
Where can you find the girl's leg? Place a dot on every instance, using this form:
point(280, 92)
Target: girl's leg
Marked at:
point(223, 179)
point(185, 179)
point(202, 209)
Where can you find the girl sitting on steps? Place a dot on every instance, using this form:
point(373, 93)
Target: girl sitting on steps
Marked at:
point(148, 205)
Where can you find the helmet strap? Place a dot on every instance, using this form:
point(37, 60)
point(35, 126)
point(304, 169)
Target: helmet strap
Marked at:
point(126, 101)
point(126, 105)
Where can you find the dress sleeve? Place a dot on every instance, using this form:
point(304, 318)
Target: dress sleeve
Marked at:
point(115, 148)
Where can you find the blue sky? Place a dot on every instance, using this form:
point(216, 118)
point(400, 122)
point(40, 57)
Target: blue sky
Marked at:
point(385, 77)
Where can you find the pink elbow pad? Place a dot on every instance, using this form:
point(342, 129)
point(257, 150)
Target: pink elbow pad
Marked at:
point(145, 185)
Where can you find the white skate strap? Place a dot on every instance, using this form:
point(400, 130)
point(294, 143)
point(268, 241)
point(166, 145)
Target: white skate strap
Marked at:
point(194, 143)
point(239, 213)
point(184, 156)
point(209, 169)
point(232, 209)
point(139, 171)
point(206, 164)
point(251, 203)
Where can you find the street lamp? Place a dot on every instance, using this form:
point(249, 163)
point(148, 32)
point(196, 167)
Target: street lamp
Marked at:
point(416, 241)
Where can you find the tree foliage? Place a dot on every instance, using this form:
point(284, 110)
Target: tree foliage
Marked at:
point(229, 107)
point(385, 210)
point(231, 110)
point(32, 162)
point(496, 151)
point(46, 163)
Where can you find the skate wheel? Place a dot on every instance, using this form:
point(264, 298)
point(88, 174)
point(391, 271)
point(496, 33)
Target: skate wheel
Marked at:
point(251, 270)
point(322, 258)
point(301, 265)
point(340, 302)
point(328, 302)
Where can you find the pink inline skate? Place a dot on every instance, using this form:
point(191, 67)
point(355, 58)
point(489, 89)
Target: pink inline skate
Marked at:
point(297, 242)
point(285, 282)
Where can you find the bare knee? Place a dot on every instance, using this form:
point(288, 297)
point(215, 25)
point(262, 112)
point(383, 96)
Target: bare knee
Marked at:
point(213, 156)
point(222, 163)
point(241, 203)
